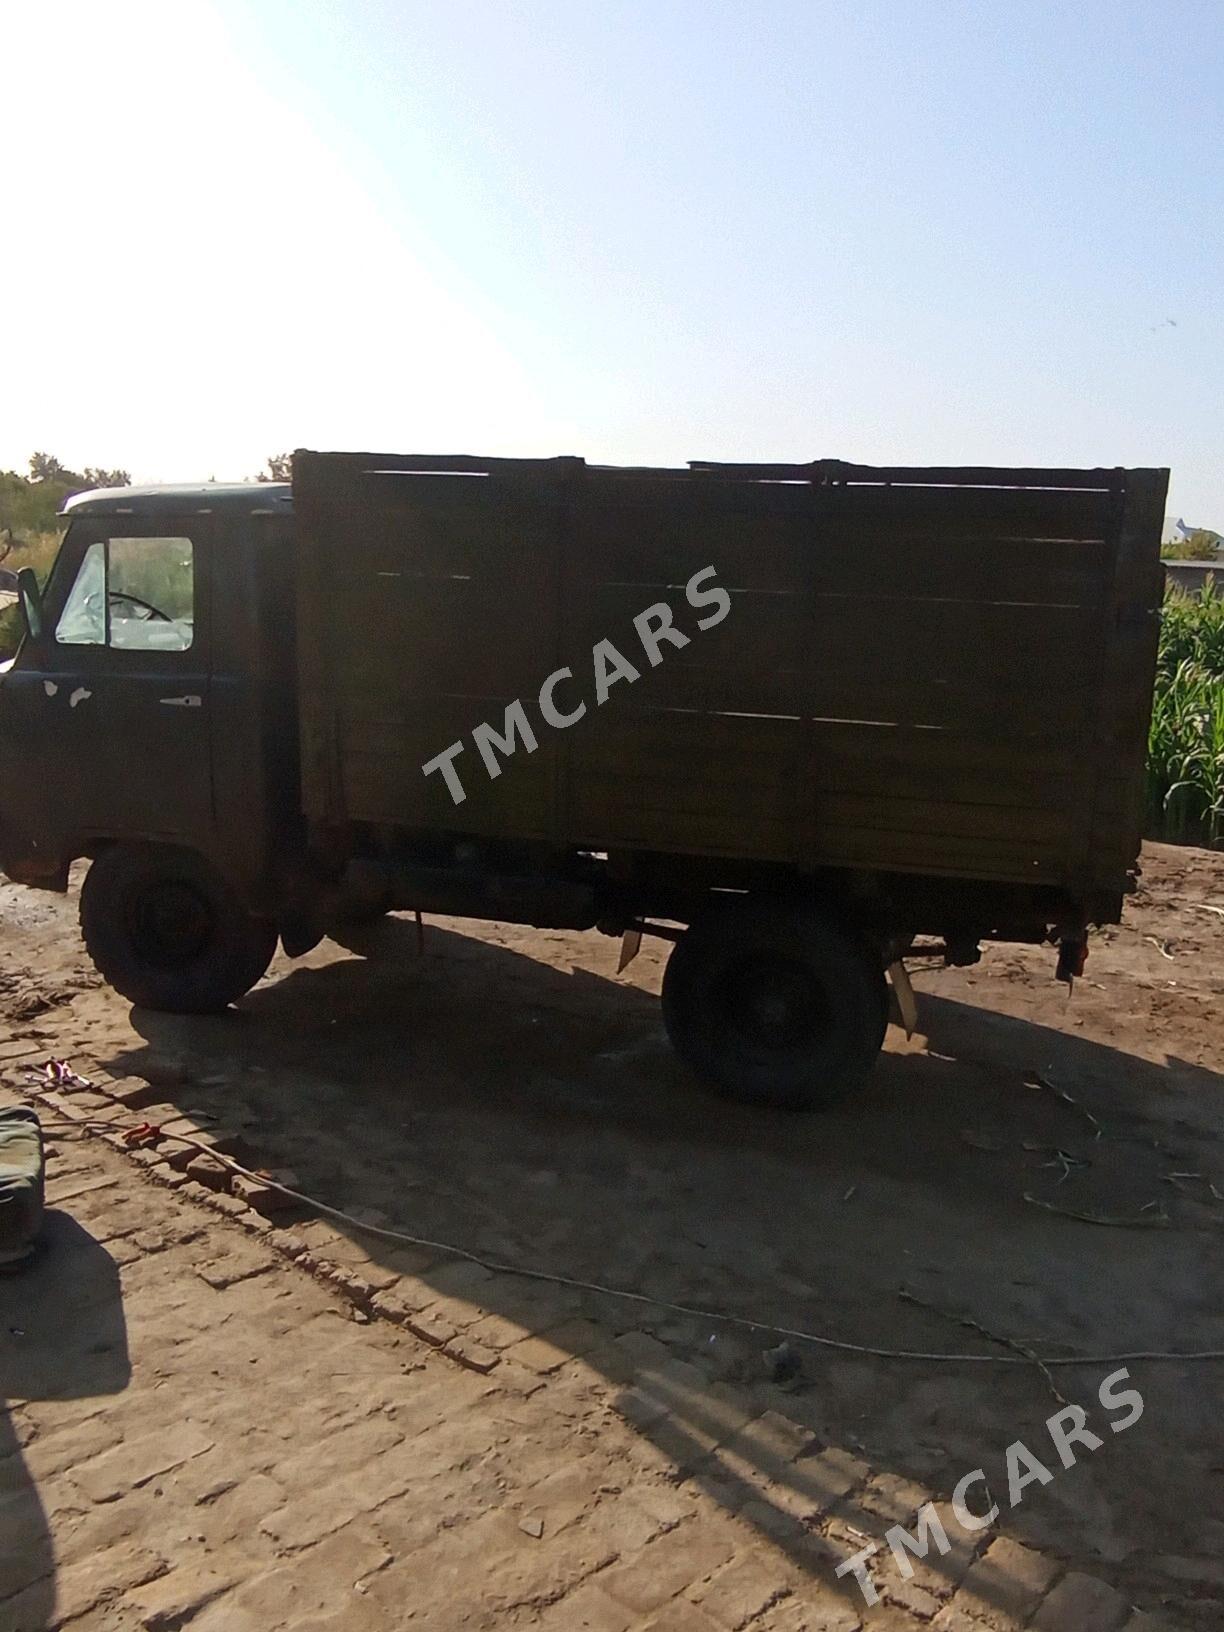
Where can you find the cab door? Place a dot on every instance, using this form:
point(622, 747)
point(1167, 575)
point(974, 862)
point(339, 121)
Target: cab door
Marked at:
point(116, 692)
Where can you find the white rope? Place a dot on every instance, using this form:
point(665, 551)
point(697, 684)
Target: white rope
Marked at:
point(817, 1340)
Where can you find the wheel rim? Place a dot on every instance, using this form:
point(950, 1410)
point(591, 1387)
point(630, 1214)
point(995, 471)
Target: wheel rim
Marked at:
point(773, 1003)
point(170, 923)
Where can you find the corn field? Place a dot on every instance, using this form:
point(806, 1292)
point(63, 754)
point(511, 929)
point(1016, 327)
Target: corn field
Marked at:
point(1185, 776)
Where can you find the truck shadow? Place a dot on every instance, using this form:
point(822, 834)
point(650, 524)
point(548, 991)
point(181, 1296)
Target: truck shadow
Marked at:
point(62, 1338)
point(535, 1115)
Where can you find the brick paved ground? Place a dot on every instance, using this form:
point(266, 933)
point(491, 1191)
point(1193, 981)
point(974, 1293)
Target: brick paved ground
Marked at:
point(201, 1433)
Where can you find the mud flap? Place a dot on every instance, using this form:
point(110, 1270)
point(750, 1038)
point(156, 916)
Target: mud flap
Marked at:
point(1072, 956)
point(21, 1184)
point(631, 945)
point(903, 996)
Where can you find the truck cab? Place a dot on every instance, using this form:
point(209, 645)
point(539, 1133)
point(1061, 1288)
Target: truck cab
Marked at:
point(142, 703)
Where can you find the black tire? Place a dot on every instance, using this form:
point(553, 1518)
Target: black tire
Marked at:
point(167, 932)
point(776, 1005)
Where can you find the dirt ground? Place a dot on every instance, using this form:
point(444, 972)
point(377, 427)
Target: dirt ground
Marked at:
point(506, 1091)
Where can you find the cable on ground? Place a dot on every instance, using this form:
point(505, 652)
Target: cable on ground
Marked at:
point(689, 1311)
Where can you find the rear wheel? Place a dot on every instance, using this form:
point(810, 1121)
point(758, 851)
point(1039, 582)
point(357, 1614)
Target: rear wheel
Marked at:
point(775, 1005)
point(166, 931)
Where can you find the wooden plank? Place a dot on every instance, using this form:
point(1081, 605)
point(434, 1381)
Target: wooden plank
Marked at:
point(1011, 711)
point(733, 793)
point(874, 564)
point(628, 739)
point(858, 749)
point(699, 746)
point(820, 631)
point(971, 785)
point(837, 471)
point(441, 635)
point(388, 738)
point(908, 663)
point(328, 477)
point(1014, 513)
point(777, 836)
point(882, 851)
point(871, 659)
point(949, 818)
point(655, 553)
point(1019, 513)
point(328, 465)
point(687, 833)
point(675, 495)
point(484, 534)
point(658, 557)
point(760, 633)
point(384, 724)
point(392, 788)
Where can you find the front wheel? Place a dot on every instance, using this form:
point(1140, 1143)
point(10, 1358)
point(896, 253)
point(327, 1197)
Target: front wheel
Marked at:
point(776, 1005)
point(167, 932)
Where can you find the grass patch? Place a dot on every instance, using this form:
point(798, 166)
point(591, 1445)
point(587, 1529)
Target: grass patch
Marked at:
point(38, 550)
point(1185, 771)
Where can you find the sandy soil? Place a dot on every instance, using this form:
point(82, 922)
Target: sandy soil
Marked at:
point(507, 1092)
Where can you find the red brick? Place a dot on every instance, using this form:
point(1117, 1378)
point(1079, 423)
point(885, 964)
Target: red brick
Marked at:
point(741, 1592)
point(667, 1566)
point(79, 1587)
point(169, 1600)
point(1005, 1584)
point(139, 1460)
point(1081, 1603)
point(587, 1609)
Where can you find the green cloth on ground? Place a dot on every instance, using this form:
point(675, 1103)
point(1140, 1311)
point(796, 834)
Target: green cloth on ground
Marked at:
point(21, 1183)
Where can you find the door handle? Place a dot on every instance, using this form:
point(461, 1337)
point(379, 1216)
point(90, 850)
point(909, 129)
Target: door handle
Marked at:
point(190, 701)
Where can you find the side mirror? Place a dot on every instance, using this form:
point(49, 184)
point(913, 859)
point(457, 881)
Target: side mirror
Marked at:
point(30, 596)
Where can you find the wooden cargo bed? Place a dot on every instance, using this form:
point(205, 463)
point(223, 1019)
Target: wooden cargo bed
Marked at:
point(942, 672)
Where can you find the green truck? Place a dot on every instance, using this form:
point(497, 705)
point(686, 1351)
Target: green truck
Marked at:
point(789, 717)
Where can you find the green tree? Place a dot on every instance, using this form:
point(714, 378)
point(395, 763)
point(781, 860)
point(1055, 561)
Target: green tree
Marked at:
point(279, 468)
point(29, 504)
point(45, 467)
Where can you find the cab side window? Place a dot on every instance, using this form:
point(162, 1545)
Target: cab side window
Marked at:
point(133, 594)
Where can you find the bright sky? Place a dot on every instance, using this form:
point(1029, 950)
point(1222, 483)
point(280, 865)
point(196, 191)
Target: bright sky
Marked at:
point(913, 231)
